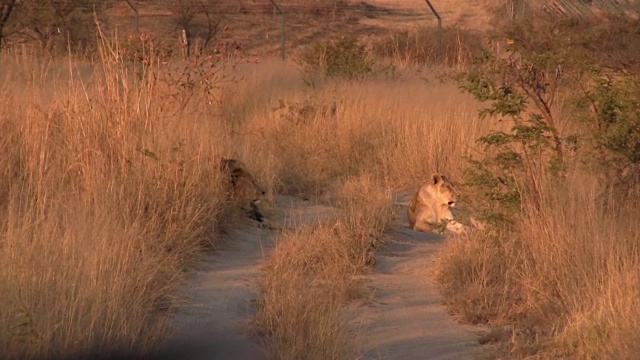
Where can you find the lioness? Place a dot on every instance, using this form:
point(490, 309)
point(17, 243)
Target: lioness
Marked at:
point(243, 188)
point(432, 204)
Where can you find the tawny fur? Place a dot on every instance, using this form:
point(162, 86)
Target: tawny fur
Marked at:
point(432, 204)
point(243, 187)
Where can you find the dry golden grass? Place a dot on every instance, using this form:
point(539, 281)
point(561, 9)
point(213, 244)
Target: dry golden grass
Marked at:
point(349, 145)
point(110, 188)
point(409, 48)
point(313, 138)
point(303, 290)
point(310, 276)
point(106, 198)
point(567, 283)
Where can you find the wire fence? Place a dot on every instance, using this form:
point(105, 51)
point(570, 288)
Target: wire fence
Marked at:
point(590, 8)
point(280, 26)
point(225, 7)
point(294, 15)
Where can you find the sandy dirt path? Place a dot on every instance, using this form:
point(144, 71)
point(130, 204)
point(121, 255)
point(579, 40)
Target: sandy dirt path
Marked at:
point(213, 321)
point(407, 319)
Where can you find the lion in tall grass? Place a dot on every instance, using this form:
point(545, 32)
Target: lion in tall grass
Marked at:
point(243, 188)
point(431, 206)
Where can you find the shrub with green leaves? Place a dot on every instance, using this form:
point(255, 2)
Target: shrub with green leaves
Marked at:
point(615, 112)
point(520, 89)
point(611, 109)
point(547, 63)
point(345, 58)
point(556, 253)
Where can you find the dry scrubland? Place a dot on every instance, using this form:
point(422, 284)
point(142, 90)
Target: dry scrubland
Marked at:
point(310, 277)
point(377, 140)
point(565, 286)
point(558, 280)
point(110, 191)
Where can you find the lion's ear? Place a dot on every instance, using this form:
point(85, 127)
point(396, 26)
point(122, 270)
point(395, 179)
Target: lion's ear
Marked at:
point(436, 178)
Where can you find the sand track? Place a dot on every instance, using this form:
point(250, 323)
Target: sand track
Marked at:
point(405, 320)
point(213, 322)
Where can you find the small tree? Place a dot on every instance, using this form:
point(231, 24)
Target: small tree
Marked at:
point(43, 21)
point(199, 19)
point(610, 106)
point(343, 58)
point(516, 157)
point(520, 87)
point(547, 59)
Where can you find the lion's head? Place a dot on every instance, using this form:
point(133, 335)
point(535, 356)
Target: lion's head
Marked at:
point(443, 190)
point(244, 187)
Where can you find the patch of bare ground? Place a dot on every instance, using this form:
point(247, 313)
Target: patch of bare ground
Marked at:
point(406, 318)
point(398, 312)
point(213, 320)
point(257, 26)
point(401, 15)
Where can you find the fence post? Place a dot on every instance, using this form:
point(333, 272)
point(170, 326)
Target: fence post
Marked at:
point(135, 10)
point(435, 12)
point(283, 29)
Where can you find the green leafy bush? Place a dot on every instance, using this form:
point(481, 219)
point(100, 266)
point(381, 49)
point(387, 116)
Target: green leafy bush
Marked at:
point(519, 89)
point(611, 109)
point(554, 231)
point(546, 79)
point(616, 114)
point(345, 58)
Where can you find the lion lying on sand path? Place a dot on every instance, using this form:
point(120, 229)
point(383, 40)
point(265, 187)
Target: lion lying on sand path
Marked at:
point(243, 188)
point(431, 206)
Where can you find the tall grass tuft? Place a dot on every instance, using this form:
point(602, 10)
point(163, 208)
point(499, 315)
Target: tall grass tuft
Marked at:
point(422, 46)
point(566, 283)
point(105, 199)
point(310, 276)
point(313, 138)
